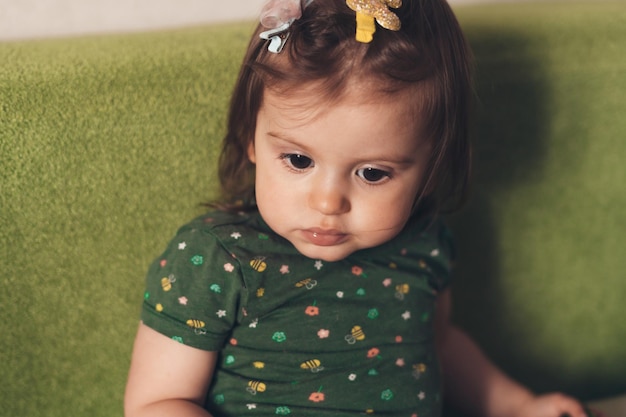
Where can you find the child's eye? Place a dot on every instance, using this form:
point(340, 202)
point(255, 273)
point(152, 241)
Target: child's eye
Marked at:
point(297, 161)
point(372, 175)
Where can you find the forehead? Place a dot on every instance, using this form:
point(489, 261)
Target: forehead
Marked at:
point(310, 101)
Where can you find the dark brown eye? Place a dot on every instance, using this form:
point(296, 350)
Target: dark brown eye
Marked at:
point(298, 161)
point(372, 175)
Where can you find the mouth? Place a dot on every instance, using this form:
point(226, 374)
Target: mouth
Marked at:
point(324, 237)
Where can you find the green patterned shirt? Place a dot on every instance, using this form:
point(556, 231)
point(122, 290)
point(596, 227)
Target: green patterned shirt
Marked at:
point(299, 336)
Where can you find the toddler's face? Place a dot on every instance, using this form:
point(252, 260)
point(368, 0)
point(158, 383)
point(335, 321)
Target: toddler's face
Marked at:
point(333, 179)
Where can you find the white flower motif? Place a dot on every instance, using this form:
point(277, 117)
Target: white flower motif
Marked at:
point(339, 294)
point(406, 315)
point(182, 245)
point(235, 235)
point(421, 395)
point(221, 313)
point(352, 377)
point(251, 406)
point(434, 252)
point(318, 265)
point(254, 323)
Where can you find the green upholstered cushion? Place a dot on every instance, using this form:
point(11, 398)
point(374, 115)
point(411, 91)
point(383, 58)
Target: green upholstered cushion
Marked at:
point(109, 143)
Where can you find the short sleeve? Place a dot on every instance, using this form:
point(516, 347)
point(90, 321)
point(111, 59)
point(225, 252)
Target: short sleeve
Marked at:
point(193, 290)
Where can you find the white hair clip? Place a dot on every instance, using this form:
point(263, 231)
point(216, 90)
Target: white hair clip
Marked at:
point(278, 16)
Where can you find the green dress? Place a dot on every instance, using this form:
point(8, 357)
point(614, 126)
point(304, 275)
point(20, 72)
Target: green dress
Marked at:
point(299, 336)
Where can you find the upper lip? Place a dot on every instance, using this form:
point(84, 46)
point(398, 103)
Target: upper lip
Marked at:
point(321, 231)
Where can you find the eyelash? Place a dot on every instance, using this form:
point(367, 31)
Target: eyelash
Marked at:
point(287, 159)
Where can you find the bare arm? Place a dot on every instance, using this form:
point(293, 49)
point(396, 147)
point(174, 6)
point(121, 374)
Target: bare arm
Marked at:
point(167, 378)
point(478, 387)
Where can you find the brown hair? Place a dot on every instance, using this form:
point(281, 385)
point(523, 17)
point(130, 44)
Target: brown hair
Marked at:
point(428, 57)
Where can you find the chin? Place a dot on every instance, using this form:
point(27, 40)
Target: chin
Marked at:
point(327, 254)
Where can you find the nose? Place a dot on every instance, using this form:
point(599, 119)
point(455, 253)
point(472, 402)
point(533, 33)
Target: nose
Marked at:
point(329, 198)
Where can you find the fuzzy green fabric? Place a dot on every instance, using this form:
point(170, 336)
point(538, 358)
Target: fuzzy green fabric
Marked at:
point(109, 143)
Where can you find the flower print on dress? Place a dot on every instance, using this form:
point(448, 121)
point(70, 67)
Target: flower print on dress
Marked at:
point(317, 397)
point(323, 333)
point(279, 337)
point(386, 395)
point(358, 271)
point(228, 267)
point(373, 353)
point(312, 310)
point(197, 260)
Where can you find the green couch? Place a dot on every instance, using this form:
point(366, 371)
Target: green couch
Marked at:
point(108, 144)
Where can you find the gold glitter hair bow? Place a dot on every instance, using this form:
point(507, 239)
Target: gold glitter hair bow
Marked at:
point(368, 10)
point(277, 16)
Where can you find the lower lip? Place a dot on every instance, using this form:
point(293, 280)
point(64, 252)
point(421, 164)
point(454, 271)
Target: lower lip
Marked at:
point(324, 239)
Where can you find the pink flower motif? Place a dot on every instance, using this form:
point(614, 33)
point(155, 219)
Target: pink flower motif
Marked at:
point(163, 263)
point(387, 282)
point(284, 269)
point(323, 333)
point(400, 362)
point(183, 301)
point(398, 339)
point(229, 267)
point(357, 270)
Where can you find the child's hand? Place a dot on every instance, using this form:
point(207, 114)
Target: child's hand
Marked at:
point(553, 405)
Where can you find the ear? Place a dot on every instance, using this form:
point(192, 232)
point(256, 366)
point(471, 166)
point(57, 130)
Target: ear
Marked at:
point(251, 152)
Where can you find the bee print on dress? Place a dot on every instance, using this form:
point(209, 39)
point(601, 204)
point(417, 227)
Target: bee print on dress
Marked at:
point(166, 282)
point(313, 365)
point(197, 326)
point(258, 263)
point(255, 387)
point(356, 334)
point(308, 283)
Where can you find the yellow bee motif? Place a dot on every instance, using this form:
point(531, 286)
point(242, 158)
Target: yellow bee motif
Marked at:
point(166, 283)
point(401, 291)
point(309, 283)
point(356, 334)
point(197, 326)
point(418, 370)
point(256, 386)
point(258, 264)
point(314, 365)
point(258, 365)
point(260, 292)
